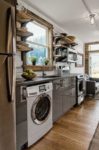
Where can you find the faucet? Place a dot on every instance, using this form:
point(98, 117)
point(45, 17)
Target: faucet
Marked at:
point(43, 72)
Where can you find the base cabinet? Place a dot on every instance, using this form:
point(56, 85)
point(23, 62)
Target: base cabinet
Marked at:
point(57, 107)
point(57, 102)
point(69, 99)
point(64, 96)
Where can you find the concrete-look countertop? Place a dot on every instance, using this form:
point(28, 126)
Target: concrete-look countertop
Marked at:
point(39, 80)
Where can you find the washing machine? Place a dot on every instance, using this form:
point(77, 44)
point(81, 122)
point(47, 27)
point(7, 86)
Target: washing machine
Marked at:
point(39, 111)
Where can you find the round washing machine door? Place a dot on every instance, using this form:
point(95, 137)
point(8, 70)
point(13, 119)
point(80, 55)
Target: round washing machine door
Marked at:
point(41, 109)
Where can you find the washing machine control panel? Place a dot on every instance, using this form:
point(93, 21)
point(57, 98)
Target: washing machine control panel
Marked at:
point(42, 88)
point(38, 89)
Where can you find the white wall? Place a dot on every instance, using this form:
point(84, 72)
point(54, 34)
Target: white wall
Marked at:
point(80, 47)
point(27, 6)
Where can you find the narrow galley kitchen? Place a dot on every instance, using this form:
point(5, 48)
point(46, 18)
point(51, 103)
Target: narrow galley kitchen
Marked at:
point(74, 130)
point(49, 75)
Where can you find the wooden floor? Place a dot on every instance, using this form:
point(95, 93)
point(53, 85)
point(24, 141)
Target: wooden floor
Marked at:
point(74, 130)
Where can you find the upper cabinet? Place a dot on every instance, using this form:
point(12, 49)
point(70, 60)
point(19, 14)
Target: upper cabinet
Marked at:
point(64, 48)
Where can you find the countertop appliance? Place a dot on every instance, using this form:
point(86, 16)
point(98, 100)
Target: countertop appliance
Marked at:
point(7, 76)
point(39, 111)
point(80, 89)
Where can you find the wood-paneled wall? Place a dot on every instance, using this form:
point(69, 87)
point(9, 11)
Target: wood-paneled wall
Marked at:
point(86, 59)
point(87, 55)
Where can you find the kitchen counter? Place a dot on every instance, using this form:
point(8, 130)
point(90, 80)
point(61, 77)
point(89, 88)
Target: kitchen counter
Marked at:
point(38, 80)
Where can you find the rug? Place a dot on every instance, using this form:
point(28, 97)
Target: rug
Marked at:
point(94, 145)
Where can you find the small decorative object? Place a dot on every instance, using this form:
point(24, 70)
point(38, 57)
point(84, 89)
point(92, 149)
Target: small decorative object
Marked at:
point(34, 60)
point(46, 61)
point(28, 74)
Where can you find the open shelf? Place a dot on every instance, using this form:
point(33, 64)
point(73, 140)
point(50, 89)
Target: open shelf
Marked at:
point(23, 20)
point(22, 17)
point(72, 50)
point(22, 32)
point(64, 48)
point(65, 41)
point(23, 47)
point(57, 55)
point(71, 61)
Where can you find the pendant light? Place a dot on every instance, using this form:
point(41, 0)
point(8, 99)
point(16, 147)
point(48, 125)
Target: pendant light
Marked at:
point(92, 18)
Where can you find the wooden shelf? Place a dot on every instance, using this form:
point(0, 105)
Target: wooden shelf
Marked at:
point(67, 42)
point(23, 17)
point(60, 46)
point(23, 20)
point(39, 68)
point(22, 32)
point(23, 47)
point(72, 51)
point(65, 46)
point(72, 61)
point(57, 55)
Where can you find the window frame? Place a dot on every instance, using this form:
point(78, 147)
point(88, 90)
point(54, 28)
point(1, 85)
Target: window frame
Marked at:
point(49, 26)
point(90, 52)
point(87, 55)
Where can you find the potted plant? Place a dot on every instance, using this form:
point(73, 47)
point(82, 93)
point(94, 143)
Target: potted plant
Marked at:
point(46, 61)
point(34, 60)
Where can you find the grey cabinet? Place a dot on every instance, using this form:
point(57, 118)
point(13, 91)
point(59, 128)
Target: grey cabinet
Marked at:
point(57, 100)
point(66, 100)
point(64, 96)
point(69, 99)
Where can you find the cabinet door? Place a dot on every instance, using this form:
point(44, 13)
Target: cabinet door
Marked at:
point(73, 96)
point(66, 98)
point(57, 102)
point(69, 99)
point(57, 107)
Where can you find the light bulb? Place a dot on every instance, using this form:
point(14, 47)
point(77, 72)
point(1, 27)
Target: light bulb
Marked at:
point(92, 18)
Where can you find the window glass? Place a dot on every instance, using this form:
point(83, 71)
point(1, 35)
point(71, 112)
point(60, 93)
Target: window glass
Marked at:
point(39, 52)
point(94, 47)
point(38, 42)
point(39, 33)
point(94, 65)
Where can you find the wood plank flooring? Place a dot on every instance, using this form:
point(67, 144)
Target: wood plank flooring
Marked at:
point(74, 130)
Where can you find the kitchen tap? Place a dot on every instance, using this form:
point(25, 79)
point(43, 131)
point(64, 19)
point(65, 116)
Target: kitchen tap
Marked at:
point(43, 71)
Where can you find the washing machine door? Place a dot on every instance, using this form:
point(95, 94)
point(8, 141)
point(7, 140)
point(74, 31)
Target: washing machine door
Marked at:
point(41, 109)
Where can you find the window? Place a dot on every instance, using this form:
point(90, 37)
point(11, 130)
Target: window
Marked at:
point(94, 47)
point(93, 60)
point(94, 64)
point(39, 43)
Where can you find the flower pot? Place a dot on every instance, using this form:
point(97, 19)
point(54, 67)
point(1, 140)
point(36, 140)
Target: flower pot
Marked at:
point(34, 63)
point(46, 64)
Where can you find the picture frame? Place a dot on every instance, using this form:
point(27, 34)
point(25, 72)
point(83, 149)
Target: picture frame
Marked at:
point(80, 61)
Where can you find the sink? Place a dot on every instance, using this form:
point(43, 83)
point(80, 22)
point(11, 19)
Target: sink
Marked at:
point(51, 76)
